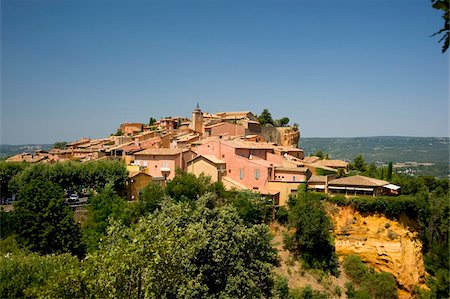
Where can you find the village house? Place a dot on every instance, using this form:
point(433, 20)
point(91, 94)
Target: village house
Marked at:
point(130, 129)
point(208, 165)
point(224, 128)
point(353, 186)
point(135, 183)
point(163, 162)
point(251, 166)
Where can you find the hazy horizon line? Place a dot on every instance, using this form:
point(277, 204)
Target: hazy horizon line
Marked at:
point(308, 137)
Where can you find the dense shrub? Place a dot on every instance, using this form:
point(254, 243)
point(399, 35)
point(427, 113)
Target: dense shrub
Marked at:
point(377, 285)
point(312, 239)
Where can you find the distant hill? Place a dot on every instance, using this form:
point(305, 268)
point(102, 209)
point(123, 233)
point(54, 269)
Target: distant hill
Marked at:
point(7, 150)
point(381, 150)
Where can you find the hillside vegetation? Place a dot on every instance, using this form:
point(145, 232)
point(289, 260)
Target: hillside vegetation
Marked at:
point(382, 150)
point(194, 239)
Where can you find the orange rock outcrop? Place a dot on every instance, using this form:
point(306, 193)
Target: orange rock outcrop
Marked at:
point(381, 243)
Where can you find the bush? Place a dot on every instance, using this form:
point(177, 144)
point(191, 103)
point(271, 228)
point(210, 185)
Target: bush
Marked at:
point(312, 240)
point(372, 284)
point(282, 215)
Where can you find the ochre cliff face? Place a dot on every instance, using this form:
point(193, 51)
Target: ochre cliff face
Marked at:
point(381, 243)
point(289, 137)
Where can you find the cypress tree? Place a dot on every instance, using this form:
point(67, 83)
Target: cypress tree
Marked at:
point(389, 172)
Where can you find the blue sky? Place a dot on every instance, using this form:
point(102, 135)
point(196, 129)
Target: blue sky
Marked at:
point(338, 68)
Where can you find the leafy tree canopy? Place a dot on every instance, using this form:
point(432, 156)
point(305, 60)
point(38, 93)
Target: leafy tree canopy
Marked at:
point(44, 223)
point(312, 240)
point(60, 145)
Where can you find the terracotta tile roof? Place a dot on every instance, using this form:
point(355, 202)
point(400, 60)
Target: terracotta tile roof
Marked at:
point(161, 151)
point(216, 125)
point(292, 169)
point(358, 180)
point(135, 173)
point(333, 163)
point(248, 145)
point(211, 158)
point(288, 149)
point(234, 183)
point(317, 179)
point(311, 159)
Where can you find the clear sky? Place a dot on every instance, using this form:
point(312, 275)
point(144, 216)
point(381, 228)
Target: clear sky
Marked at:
point(337, 68)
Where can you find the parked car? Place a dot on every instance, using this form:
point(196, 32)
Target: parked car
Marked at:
point(73, 197)
point(10, 200)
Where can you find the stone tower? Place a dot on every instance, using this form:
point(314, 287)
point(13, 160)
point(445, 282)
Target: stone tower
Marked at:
point(197, 120)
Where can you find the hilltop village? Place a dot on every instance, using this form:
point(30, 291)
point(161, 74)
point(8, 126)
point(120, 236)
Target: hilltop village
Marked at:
point(231, 147)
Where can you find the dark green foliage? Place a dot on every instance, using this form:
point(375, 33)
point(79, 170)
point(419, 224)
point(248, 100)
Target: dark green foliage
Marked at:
point(309, 293)
point(358, 164)
point(187, 187)
point(281, 287)
point(321, 171)
point(181, 250)
point(60, 145)
point(321, 155)
point(44, 223)
point(378, 285)
point(252, 207)
point(27, 275)
point(312, 240)
point(371, 171)
point(151, 121)
point(265, 118)
point(282, 122)
point(7, 171)
point(389, 172)
point(444, 31)
point(352, 293)
point(392, 207)
point(282, 215)
point(74, 175)
point(150, 199)
point(7, 223)
point(103, 206)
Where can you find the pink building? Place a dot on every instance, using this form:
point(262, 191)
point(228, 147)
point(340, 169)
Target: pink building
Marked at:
point(224, 128)
point(163, 162)
point(254, 165)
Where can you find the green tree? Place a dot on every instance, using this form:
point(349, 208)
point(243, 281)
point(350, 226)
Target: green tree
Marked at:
point(8, 170)
point(266, 118)
point(371, 171)
point(444, 31)
point(321, 155)
point(359, 164)
point(151, 121)
point(312, 240)
point(187, 187)
point(44, 223)
point(282, 122)
point(150, 199)
point(103, 206)
point(184, 251)
point(60, 145)
point(389, 172)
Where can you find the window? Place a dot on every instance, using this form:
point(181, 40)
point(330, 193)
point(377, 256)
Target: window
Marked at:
point(223, 156)
point(257, 174)
point(229, 170)
point(165, 164)
point(294, 178)
point(241, 173)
